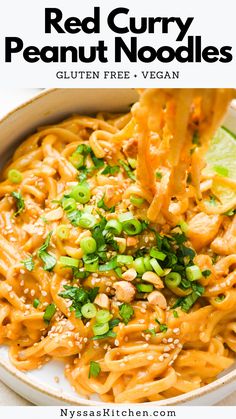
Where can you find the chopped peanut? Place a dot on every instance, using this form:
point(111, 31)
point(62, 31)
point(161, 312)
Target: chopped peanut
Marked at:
point(54, 215)
point(157, 298)
point(102, 300)
point(129, 275)
point(121, 241)
point(131, 241)
point(125, 291)
point(153, 278)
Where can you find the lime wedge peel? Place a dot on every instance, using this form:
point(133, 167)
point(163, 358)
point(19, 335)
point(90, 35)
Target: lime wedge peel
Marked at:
point(221, 162)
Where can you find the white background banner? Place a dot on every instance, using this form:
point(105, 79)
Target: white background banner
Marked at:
point(214, 22)
point(130, 411)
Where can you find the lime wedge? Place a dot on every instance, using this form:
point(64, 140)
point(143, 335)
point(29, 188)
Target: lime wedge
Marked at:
point(221, 156)
point(221, 161)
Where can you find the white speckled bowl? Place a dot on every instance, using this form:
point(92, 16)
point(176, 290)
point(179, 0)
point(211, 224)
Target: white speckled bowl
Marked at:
point(40, 386)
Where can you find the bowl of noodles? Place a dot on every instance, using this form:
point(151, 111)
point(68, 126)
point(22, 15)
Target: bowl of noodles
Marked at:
point(117, 247)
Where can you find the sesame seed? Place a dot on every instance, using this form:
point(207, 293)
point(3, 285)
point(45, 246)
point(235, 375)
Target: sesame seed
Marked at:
point(176, 330)
point(166, 355)
point(161, 358)
point(116, 342)
point(176, 341)
point(150, 357)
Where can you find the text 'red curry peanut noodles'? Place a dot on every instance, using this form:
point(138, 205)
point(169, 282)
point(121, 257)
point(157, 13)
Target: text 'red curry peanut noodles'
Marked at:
point(118, 249)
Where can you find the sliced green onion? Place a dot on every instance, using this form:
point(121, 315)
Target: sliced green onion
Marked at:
point(68, 204)
point(132, 162)
point(94, 369)
point(63, 231)
point(184, 226)
point(68, 261)
point(136, 200)
point(14, 176)
point(109, 266)
point(36, 303)
point(88, 209)
point(88, 245)
point(88, 310)
point(124, 260)
point(77, 160)
point(132, 227)
point(91, 267)
point(114, 226)
point(144, 287)
point(155, 253)
point(81, 194)
point(193, 273)
point(139, 265)
point(103, 316)
point(172, 280)
point(125, 216)
point(157, 268)
point(118, 272)
point(147, 264)
point(87, 221)
point(100, 328)
point(49, 313)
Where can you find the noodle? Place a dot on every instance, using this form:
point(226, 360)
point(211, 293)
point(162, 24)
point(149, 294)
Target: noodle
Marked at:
point(111, 260)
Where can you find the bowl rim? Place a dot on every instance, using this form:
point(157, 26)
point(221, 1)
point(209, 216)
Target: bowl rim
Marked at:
point(227, 379)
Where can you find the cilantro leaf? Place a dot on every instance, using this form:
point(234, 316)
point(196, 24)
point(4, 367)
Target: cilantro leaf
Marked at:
point(48, 259)
point(187, 302)
point(98, 163)
point(20, 203)
point(28, 263)
point(150, 331)
point(83, 149)
point(206, 273)
point(163, 327)
point(110, 170)
point(126, 312)
point(79, 296)
point(94, 369)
